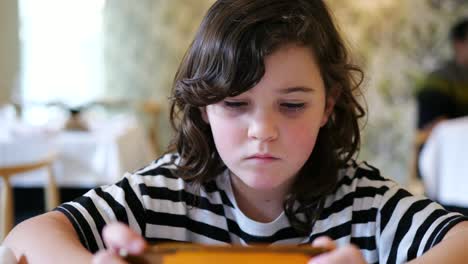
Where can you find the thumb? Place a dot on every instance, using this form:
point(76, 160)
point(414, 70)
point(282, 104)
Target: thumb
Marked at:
point(119, 238)
point(324, 242)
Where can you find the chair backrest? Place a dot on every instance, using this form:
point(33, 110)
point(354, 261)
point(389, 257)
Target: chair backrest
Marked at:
point(22, 168)
point(153, 111)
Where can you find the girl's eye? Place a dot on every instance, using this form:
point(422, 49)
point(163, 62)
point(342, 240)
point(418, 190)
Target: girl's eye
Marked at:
point(292, 106)
point(235, 104)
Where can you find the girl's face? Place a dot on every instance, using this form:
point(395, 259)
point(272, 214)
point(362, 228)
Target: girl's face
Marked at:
point(266, 134)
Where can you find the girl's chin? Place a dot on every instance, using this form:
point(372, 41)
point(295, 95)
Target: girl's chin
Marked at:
point(262, 181)
point(263, 185)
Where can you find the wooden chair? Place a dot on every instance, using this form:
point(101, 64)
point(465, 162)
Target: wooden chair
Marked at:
point(7, 203)
point(152, 110)
point(415, 184)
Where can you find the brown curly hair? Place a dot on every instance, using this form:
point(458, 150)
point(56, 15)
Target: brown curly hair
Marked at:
point(227, 58)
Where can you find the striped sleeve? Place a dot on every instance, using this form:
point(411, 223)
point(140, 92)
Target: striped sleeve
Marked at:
point(118, 202)
point(410, 225)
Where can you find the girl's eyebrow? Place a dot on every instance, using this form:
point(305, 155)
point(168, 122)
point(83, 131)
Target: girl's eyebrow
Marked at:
point(296, 89)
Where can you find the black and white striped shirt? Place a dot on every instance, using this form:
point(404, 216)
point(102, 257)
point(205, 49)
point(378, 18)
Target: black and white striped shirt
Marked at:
point(386, 222)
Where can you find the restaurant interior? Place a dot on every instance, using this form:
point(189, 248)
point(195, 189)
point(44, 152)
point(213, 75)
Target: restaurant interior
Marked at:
point(84, 88)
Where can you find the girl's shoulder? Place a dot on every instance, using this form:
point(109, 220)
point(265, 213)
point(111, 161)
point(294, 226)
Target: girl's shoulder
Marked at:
point(360, 190)
point(361, 170)
point(359, 176)
point(165, 165)
point(161, 173)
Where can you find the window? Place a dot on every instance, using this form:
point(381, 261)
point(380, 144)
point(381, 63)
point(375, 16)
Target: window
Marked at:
point(61, 52)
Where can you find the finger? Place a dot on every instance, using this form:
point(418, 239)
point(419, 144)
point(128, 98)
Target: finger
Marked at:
point(106, 257)
point(324, 242)
point(119, 237)
point(347, 255)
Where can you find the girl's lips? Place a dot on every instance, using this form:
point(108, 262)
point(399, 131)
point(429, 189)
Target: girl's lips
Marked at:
point(263, 157)
point(262, 160)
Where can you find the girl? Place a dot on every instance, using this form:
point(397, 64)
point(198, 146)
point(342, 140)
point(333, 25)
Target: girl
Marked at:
point(266, 127)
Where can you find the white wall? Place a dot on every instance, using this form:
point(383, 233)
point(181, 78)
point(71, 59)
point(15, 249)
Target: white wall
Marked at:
point(9, 47)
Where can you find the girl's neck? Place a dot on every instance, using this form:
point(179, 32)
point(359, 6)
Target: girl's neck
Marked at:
point(259, 205)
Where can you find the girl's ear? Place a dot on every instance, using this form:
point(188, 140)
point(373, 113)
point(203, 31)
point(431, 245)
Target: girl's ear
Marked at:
point(332, 98)
point(203, 114)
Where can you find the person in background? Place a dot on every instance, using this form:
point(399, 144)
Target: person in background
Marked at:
point(444, 93)
point(266, 119)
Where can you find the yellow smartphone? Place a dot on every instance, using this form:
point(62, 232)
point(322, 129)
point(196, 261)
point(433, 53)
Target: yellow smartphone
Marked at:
point(178, 253)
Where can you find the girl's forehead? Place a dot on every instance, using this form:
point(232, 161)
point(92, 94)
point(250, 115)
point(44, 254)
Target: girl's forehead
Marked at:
point(292, 50)
point(290, 68)
point(293, 66)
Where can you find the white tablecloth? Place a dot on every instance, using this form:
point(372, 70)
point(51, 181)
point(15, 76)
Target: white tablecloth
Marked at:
point(83, 158)
point(444, 163)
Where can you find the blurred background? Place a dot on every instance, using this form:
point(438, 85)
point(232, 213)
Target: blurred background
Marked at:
point(110, 58)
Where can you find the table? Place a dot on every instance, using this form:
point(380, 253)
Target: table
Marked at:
point(84, 159)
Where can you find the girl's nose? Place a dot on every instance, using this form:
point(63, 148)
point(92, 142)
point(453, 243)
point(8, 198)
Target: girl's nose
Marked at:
point(263, 128)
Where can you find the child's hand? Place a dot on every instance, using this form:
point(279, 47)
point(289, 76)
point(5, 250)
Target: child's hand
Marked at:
point(349, 254)
point(119, 238)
